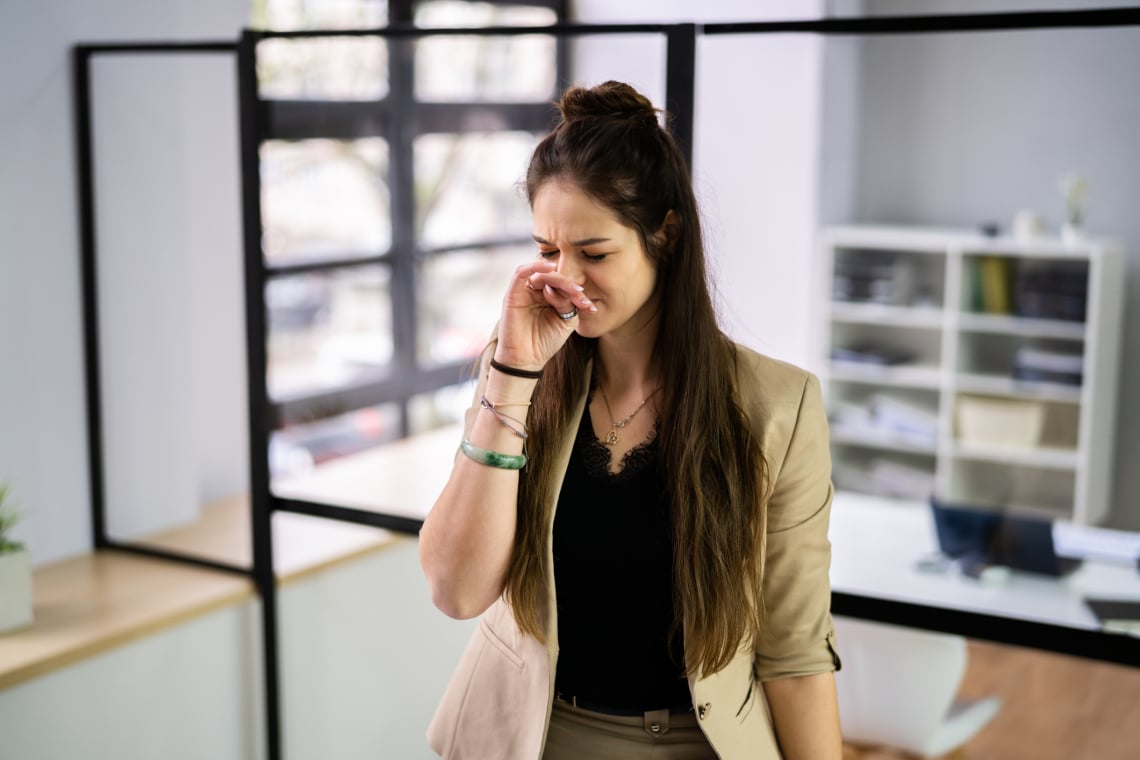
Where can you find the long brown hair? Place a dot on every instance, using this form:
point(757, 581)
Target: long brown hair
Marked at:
point(610, 144)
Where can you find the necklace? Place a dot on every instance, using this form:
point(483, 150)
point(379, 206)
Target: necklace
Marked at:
point(612, 437)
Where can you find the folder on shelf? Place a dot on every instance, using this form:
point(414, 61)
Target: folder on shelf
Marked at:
point(996, 284)
point(890, 412)
point(1040, 365)
point(873, 355)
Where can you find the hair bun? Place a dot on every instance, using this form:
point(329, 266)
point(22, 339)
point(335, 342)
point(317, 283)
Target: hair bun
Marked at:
point(611, 100)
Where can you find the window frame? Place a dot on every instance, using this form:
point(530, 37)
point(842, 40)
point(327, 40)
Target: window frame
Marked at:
point(408, 376)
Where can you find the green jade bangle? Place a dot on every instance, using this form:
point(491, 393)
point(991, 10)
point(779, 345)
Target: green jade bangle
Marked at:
point(492, 458)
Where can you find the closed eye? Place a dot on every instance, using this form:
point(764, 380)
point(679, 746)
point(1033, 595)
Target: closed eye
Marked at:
point(592, 257)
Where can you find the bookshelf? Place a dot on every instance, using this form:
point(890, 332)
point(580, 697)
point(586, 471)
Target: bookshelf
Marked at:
point(980, 368)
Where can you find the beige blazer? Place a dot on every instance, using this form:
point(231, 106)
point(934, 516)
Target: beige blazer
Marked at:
point(497, 705)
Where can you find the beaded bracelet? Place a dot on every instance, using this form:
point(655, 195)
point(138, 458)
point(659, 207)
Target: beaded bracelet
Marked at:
point(530, 374)
point(518, 431)
point(492, 458)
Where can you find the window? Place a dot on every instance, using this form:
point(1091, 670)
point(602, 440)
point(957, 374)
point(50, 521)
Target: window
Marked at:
point(392, 210)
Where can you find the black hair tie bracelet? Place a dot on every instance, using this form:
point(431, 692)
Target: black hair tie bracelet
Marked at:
point(515, 371)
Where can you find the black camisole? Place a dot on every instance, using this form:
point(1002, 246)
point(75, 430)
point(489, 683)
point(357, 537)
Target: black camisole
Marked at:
point(613, 569)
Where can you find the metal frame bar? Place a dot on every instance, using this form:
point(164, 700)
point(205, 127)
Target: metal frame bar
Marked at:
point(681, 84)
point(261, 507)
point(402, 30)
point(85, 181)
point(397, 523)
point(681, 49)
point(380, 389)
point(1090, 644)
point(940, 23)
point(401, 193)
point(156, 552)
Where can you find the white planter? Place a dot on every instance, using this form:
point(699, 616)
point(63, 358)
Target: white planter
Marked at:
point(1072, 234)
point(15, 590)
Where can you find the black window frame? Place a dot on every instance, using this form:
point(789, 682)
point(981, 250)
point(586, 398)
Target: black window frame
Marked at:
point(400, 118)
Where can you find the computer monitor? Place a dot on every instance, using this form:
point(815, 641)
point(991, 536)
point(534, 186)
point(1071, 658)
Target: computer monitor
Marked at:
point(1020, 542)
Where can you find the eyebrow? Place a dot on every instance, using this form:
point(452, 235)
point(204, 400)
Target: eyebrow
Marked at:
point(575, 243)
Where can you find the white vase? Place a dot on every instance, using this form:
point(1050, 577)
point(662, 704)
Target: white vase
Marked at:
point(15, 590)
point(1072, 234)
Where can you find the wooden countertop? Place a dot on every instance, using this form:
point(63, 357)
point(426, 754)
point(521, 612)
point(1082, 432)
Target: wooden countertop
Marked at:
point(89, 604)
point(302, 545)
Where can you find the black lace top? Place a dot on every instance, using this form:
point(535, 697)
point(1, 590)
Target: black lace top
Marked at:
point(613, 572)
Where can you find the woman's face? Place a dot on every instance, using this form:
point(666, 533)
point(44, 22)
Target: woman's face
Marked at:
point(595, 250)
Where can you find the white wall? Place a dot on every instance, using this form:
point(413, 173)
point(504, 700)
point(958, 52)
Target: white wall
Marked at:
point(756, 155)
point(961, 129)
point(43, 446)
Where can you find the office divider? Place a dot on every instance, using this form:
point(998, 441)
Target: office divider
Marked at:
point(257, 119)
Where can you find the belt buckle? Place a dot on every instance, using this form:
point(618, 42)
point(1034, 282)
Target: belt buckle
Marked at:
point(656, 722)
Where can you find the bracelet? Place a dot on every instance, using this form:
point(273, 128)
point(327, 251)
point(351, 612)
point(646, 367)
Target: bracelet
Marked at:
point(492, 458)
point(519, 431)
point(501, 404)
point(530, 374)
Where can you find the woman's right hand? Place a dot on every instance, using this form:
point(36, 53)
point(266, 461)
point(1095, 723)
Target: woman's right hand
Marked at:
point(530, 329)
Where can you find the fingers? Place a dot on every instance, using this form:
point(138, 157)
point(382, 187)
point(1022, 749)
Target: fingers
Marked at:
point(524, 284)
point(560, 292)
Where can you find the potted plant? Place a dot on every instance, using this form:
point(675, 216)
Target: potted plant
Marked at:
point(15, 570)
point(1074, 188)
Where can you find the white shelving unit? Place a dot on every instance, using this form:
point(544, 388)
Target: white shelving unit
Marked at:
point(923, 322)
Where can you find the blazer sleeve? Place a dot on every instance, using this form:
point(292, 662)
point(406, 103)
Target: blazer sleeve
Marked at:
point(798, 637)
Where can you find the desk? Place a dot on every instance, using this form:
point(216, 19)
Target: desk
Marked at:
point(874, 547)
point(876, 544)
point(402, 478)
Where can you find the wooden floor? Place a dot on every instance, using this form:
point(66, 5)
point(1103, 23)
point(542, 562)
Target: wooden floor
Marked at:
point(1054, 708)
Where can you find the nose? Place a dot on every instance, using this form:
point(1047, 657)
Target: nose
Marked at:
point(571, 268)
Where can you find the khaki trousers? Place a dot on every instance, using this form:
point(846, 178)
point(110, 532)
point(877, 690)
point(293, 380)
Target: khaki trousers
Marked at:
point(577, 734)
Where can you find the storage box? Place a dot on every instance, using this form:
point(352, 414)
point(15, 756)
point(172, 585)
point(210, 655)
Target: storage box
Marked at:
point(1004, 422)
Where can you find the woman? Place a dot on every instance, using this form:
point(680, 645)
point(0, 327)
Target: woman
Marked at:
point(639, 509)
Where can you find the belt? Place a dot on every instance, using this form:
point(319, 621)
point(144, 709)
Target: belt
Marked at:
point(626, 712)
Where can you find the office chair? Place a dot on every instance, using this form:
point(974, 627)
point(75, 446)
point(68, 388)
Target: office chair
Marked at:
point(897, 690)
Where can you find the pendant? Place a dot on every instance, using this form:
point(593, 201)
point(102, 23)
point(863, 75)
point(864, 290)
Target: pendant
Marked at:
point(612, 437)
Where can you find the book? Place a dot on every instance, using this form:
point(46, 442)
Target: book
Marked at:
point(1051, 290)
point(977, 304)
